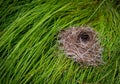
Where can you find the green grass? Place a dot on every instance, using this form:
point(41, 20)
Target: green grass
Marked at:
point(28, 41)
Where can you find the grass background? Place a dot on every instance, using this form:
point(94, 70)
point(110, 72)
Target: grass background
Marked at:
point(28, 41)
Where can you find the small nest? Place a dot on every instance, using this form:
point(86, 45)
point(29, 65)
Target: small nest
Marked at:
point(82, 45)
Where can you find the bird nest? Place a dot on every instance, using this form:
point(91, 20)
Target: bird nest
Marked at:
point(82, 45)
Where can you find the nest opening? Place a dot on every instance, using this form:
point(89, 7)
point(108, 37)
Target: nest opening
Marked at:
point(84, 37)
